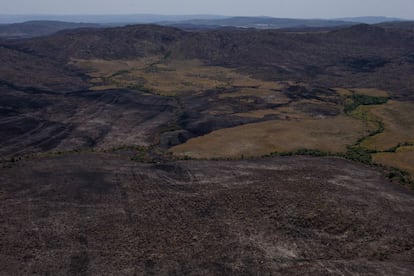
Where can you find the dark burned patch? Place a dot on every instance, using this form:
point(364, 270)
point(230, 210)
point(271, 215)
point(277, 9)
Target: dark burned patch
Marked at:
point(23, 133)
point(364, 64)
point(410, 58)
point(128, 99)
point(94, 182)
point(79, 264)
point(202, 114)
point(319, 110)
point(42, 122)
point(298, 92)
point(20, 103)
point(205, 125)
point(175, 172)
point(227, 217)
point(17, 127)
point(87, 187)
point(173, 138)
point(313, 70)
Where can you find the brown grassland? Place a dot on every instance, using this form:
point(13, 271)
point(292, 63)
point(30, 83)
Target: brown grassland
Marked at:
point(402, 159)
point(398, 123)
point(170, 77)
point(397, 118)
point(296, 127)
point(332, 135)
point(362, 91)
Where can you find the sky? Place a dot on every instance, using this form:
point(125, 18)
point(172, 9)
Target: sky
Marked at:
point(275, 8)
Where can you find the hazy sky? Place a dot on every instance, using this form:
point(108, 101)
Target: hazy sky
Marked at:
point(277, 8)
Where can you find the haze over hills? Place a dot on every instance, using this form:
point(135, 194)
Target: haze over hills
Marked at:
point(262, 22)
point(105, 19)
point(24, 26)
point(371, 19)
point(39, 28)
point(152, 150)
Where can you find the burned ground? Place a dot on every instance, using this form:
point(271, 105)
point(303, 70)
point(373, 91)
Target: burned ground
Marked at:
point(39, 122)
point(103, 214)
point(83, 112)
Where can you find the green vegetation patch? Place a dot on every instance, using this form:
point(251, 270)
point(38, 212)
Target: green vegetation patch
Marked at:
point(355, 100)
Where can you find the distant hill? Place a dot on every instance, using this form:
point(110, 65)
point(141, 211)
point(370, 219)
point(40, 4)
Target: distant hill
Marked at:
point(328, 58)
point(259, 23)
point(39, 28)
point(105, 18)
point(27, 26)
point(370, 19)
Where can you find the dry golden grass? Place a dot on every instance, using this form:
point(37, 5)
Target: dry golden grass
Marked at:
point(170, 77)
point(371, 92)
point(103, 87)
point(297, 127)
point(362, 91)
point(331, 134)
point(402, 159)
point(398, 122)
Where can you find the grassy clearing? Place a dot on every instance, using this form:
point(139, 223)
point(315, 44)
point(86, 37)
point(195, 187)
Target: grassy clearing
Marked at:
point(383, 125)
point(392, 144)
point(329, 135)
point(170, 77)
point(402, 159)
point(397, 118)
point(373, 92)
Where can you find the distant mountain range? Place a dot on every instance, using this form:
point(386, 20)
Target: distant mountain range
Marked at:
point(46, 25)
point(261, 22)
point(106, 19)
point(39, 28)
point(370, 19)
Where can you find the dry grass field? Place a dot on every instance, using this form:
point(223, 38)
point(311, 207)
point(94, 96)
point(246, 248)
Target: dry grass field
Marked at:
point(398, 131)
point(171, 77)
point(397, 118)
point(331, 134)
point(302, 122)
point(402, 159)
point(362, 91)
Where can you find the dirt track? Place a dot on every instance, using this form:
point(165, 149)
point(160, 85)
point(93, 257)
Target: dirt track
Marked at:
point(102, 214)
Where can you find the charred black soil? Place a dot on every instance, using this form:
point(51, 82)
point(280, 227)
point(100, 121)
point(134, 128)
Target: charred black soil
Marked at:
point(102, 214)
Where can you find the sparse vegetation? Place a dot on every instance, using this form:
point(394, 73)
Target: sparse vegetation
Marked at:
point(309, 152)
point(401, 176)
